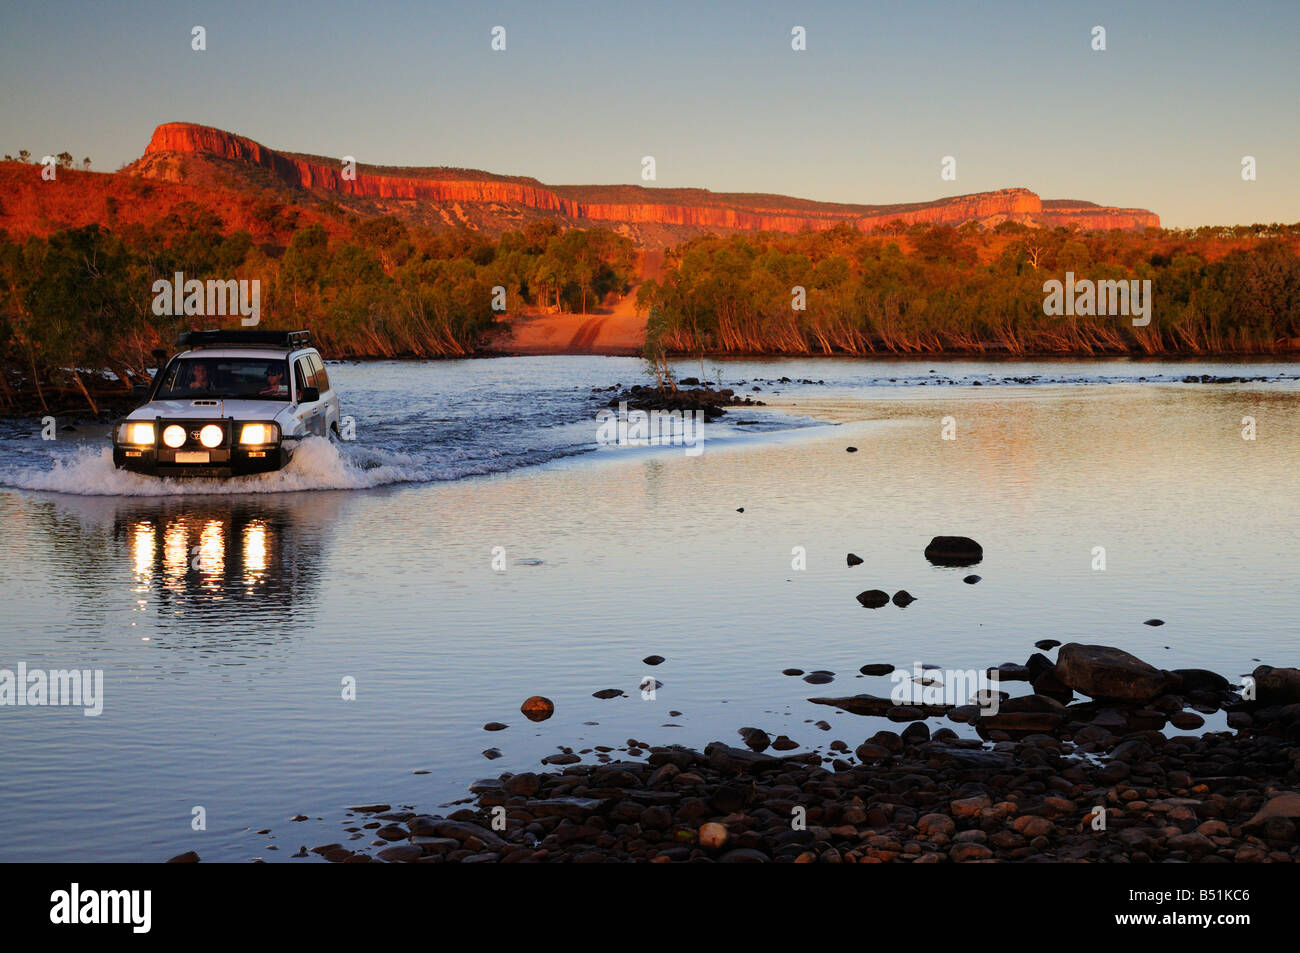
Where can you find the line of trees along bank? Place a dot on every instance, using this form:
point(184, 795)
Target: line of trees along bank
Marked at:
point(81, 300)
point(966, 291)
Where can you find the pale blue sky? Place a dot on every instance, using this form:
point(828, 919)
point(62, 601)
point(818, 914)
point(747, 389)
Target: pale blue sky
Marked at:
point(712, 90)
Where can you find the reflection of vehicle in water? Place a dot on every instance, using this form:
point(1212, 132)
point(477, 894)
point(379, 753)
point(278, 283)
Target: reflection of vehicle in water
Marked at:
point(232, 403)
point(248, 564)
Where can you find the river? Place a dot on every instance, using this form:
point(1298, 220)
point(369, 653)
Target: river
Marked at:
point(341, 632)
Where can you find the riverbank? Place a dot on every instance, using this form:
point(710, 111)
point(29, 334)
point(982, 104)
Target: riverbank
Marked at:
point(927, 370)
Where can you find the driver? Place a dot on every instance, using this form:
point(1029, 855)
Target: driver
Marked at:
point(199, 379)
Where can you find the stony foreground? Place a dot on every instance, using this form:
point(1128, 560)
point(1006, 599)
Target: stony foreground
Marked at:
point(1217, 799)
point(1064, 780)
point(1051, 778)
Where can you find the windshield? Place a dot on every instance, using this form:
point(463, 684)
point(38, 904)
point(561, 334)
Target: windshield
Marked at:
point(246, 378)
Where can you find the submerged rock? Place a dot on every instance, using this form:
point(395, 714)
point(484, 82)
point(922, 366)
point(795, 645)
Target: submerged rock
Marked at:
point(1010, 672)
point(1200, 679)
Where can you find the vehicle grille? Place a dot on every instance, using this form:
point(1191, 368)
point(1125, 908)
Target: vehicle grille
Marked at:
point(192, 430)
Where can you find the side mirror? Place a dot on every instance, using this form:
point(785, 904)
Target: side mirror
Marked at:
point(308, 395)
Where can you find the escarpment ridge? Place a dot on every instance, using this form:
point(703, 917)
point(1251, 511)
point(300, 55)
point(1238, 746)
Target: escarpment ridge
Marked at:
point(497, 202)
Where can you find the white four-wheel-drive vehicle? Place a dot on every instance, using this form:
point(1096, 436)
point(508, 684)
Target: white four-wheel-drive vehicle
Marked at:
point(229, 403)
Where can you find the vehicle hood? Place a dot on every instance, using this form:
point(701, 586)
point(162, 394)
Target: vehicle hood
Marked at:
point(210, 408)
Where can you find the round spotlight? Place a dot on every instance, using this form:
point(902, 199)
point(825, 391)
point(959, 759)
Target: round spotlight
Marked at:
point(174, 436)
point(211, 435)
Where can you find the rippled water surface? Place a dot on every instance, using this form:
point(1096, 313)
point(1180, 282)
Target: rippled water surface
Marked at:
point(226, 617)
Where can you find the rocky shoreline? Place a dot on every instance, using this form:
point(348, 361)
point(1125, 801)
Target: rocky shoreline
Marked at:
point(709, 401)
point(1091, 781)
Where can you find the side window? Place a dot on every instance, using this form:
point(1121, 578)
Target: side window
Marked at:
point(323, 377)
point(301, 376)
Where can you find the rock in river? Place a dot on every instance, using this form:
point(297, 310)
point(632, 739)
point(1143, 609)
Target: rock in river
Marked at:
point(1104, 672)
point(854, 559)
point(903, 598)
point(874, 598)
point(537, 708)
point(1277, 686)
point(954, 551)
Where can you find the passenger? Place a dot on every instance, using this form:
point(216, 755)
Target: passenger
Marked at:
point(274, 381)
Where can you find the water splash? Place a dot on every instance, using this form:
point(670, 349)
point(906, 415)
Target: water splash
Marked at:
point(317, 464)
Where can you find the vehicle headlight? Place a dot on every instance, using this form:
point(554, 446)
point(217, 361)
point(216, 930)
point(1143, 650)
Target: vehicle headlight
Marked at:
point(211, 436)
point(258, 433)
point(174, 436)
point(138, 433)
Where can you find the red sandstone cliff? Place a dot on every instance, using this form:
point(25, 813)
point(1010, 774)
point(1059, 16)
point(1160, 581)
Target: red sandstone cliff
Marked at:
point(692, 209)
point(1090, 216)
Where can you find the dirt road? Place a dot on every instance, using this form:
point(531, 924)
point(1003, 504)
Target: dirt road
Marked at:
point(616, 329)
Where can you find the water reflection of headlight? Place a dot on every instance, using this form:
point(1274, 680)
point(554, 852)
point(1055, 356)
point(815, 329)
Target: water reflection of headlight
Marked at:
point(176, 557)
point(212, 548)
point(255, 549)
point(202, 554)
point(142, 543)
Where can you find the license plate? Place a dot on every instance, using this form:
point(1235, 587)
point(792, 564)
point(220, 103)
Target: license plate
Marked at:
point(192, 456)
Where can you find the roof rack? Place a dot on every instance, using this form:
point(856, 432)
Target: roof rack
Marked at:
point(289, 339)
